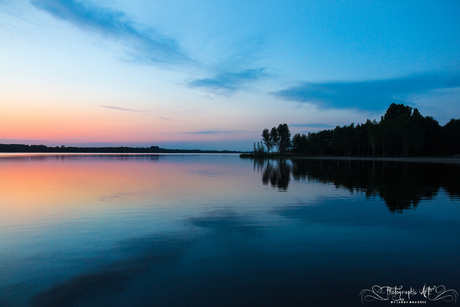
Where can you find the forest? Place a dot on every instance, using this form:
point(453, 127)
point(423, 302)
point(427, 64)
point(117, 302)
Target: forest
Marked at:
point(401, 132)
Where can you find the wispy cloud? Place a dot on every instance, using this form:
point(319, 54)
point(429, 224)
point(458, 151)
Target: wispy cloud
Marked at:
point(164, 118)
point(146, 47)
point(137, 111)
point(229, 82)
point(120, 109)
point(373, 95)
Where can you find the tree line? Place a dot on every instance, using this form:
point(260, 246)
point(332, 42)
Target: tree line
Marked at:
point(23, 148)
point(401, 132)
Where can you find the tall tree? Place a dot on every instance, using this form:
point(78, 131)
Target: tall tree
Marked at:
point(451, 138)
point(402, 131)
point(285, 138)
point(299, 143)
point(274, 136)
point(395, 124)
point(394, 110)
point(371, 135)
point(266, 138)
point(433, 136)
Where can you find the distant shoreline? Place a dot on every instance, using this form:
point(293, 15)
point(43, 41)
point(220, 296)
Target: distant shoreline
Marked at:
point(455, 159)
point(22, 148)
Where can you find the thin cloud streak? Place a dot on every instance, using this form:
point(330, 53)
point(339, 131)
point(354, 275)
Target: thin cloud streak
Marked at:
point(229, 82)
point(120, 109)
point(145, 47)
point(372, 95)
point(163, 118)
point(137, 111)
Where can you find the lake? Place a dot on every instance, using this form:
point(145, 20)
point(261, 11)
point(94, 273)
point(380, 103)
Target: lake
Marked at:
point(218, 230)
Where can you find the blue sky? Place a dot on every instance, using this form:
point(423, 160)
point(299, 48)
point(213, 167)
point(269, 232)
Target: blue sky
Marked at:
point(213, 74)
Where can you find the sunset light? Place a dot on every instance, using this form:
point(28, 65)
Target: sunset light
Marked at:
point(212, 75)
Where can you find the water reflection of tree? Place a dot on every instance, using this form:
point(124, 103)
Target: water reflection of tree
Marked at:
point(401, 185)
point(275, 172)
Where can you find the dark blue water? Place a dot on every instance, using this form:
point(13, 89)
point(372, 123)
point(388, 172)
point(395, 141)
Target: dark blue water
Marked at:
point(217, 230)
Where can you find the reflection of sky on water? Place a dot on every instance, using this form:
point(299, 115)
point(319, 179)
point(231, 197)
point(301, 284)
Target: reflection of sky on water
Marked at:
point(175, 230)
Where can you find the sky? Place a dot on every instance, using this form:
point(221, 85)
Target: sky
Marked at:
point(213, 74)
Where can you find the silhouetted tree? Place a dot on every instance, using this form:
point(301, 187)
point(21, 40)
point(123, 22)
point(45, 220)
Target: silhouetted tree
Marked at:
point(267, 140)
point(285, 138)
point(274, 136)
point(259, 149)
point(402, 131)
point(371, 128)
point(432, 132)
point(395, 110)
point(299, 143)
point(451, 137)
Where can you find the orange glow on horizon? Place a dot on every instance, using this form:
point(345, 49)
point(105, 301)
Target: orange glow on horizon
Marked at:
point(97, 125)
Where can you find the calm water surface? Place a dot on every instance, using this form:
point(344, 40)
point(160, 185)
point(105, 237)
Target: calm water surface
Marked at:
point(217, 230)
